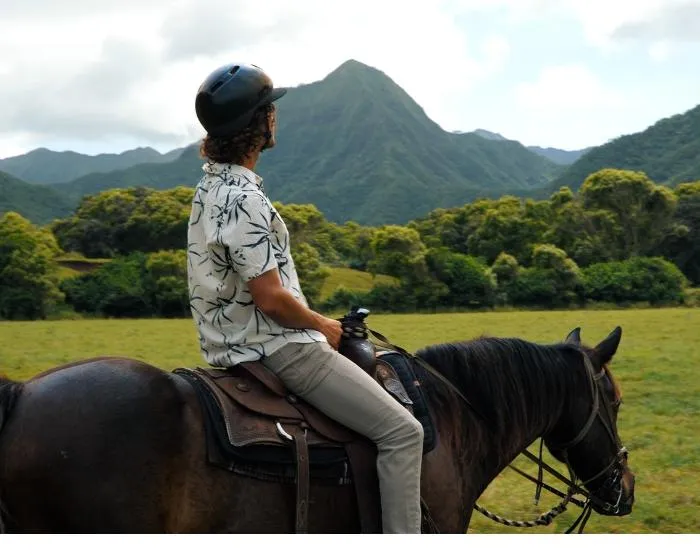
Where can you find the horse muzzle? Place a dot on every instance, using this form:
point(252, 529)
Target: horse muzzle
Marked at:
point(616, 496)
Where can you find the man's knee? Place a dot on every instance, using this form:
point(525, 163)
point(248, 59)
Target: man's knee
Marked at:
point(410, 430)
point(417, 430)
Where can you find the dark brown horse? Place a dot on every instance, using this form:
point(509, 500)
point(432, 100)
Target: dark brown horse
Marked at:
point(113, 445)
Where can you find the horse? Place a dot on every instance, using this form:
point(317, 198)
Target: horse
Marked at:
point(115, 445)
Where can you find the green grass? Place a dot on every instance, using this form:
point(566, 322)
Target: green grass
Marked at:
point(351, 279)
point(656, 366)
point(73, 264)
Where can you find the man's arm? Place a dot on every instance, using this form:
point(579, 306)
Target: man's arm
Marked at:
point(281, 306)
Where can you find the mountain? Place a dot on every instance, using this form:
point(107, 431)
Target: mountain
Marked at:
point(186, 169)
point(668, 152)
point(357, 146)
point(48, 167)
point(559, 156)
point(37, 203)
point(488, 135)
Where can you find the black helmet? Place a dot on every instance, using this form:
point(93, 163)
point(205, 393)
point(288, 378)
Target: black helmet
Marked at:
point(228, 98)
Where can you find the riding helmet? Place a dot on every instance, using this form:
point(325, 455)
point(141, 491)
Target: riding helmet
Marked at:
point(229, 96)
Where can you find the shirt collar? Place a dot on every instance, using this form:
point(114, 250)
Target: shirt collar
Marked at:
point(229, 172)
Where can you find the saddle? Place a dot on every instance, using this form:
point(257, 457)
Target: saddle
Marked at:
point(255, 426)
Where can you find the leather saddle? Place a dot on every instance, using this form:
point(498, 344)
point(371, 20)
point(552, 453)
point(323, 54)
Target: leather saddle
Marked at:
point(258, 412)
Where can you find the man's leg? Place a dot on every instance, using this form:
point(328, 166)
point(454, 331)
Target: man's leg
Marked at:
point(342, 390)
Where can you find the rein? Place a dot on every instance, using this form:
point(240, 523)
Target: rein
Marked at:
point(573, 487)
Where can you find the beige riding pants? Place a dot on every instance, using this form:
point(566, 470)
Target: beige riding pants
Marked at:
point(341, 389)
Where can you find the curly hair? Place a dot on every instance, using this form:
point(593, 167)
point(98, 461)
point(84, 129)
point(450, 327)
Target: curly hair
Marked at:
point(235, 149)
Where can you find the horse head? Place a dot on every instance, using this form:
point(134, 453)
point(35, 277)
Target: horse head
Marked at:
point(586, 438)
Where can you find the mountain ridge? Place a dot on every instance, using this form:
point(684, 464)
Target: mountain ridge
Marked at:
point(45, 166)
point(38, 203)
point(668, 151)
point(357, 134)
point(358, 146)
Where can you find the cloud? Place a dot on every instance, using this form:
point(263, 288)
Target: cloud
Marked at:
point(118, 71)
point(105, 70)
point(605, 23)
point(566, 87)
point(674, 22)
point(659, 51)
point(38, 10)
point(608, 24)
point(496, 51)
point(100, 98)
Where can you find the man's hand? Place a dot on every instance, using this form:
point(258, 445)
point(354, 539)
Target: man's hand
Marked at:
point(332, 330)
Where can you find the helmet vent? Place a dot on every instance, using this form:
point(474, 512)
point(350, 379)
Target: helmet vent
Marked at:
point(216, 86)
point(234, 70)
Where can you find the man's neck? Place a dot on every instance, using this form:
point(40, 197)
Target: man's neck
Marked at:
point(250, 161)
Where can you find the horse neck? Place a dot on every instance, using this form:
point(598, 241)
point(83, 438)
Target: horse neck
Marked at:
point(515, 416)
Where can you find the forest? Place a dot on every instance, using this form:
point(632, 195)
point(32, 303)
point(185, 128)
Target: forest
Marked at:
point(619, 239)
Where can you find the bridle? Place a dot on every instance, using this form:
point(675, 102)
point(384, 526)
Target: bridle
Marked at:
point(602, 410)
point(614, 469)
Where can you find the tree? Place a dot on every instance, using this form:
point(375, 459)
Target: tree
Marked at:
point(509, 225)
point(398, 251)
point(352, 242)
point(652, 280)
point(98, 222)
point(467, 278)
point(312, 274)
point(119, 288)
point(158, 222)
point(642, 209)
point(28, 282)
point(307, 225)
point(121, 221)
point(167, 282)
point(586, 235)
point(505, 268)
point(553, 280)
point(682, 243)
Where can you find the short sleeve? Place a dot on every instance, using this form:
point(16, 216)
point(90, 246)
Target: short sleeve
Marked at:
point(246, 236)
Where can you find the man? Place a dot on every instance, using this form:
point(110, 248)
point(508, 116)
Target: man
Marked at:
point(245, 294)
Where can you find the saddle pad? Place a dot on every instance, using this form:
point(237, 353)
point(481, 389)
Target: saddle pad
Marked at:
point(421, 410)
point(265, 461)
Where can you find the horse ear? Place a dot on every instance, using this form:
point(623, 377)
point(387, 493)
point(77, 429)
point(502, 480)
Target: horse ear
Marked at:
point(607, 348)
point(574, 337)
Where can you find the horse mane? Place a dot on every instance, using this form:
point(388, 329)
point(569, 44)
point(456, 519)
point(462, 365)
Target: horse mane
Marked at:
point(513, 384)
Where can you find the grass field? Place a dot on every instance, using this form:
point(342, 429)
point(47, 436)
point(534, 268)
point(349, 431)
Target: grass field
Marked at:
point(351, 279)
point(656, 365)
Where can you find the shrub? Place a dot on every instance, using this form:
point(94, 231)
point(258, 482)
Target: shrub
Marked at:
point(467, 279)
point(652, 280)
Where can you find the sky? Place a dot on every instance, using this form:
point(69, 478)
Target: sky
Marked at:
point(110, 75)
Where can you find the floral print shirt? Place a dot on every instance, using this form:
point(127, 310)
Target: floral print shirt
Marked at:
point(234, 235)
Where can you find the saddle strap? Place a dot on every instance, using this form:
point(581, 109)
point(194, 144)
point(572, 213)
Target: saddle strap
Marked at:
point(303, 480)
point(259, 371)
point(363, 459)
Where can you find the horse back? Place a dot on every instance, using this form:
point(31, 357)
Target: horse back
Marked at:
point(77, 432)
